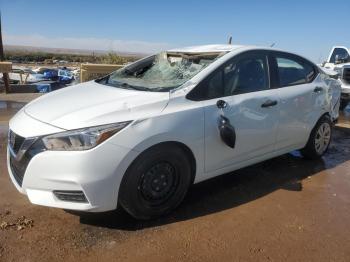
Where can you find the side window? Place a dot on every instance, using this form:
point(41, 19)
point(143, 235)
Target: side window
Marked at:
point(214, 85)
point(340, 52)
point(247, 74)
point(294, 71)
point(243, 74)
point(211, 87)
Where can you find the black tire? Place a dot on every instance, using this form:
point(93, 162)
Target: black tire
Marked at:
point(343, 104)
point(141, 196)
point(311, 150)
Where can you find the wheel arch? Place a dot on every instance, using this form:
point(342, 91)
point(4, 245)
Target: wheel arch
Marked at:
point(188, 153)
point(185, 148)
point(323, 115)
point(317, 119)
point(309, 151)
point(314, 122)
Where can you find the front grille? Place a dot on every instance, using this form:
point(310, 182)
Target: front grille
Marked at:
point(15, 141)
point(346, 75)
point(17, 170)
point(22, 150)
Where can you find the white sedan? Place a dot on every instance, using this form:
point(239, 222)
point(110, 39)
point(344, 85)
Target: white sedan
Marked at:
point(142, 135)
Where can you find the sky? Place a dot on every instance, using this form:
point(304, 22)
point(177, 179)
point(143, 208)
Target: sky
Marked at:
point(307, 27)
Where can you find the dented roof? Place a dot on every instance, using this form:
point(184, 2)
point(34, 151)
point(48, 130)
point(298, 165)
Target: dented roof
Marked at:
point(206, 49)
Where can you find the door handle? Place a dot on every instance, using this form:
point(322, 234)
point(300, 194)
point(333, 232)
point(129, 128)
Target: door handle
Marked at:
point(318, 89)
point(269, 103)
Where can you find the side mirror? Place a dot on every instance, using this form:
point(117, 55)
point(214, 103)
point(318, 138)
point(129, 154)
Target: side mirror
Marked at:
point(221, 104)
point(227, 132)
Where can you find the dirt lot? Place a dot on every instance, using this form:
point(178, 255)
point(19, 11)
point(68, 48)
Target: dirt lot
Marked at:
point(283, 209)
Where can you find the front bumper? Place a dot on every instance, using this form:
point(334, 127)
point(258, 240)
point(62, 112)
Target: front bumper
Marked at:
point(96, 172)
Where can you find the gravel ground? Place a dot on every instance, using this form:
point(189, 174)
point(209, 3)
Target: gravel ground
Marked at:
point(284, 209)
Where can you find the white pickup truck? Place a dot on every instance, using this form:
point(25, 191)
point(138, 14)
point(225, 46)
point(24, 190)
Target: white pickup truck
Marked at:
point(339, 61)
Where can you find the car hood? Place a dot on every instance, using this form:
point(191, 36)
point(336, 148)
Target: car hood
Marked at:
point(91, 104)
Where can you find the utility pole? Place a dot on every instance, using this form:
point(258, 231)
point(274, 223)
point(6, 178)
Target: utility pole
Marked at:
point(5, 76)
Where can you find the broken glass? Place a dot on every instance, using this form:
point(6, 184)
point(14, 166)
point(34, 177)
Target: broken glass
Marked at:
point(161, 72)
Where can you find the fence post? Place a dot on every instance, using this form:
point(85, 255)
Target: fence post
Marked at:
point(92, 71)
point(5, 75)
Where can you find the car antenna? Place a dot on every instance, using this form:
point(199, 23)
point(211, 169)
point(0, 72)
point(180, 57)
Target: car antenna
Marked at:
point(230, 40)
point(272, 45)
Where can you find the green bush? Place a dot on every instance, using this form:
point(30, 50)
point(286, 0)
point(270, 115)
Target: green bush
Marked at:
point(28, 56)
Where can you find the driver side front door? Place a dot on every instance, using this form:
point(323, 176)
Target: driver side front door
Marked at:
point(252, 108)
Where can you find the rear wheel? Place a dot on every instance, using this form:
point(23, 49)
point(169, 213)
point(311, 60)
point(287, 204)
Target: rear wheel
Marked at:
point(156, 182)
point(319, 139)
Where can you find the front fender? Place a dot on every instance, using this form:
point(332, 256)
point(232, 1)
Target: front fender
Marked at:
point(184, 126)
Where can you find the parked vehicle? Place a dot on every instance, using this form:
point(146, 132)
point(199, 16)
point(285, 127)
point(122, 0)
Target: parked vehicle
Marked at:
point(25, 75)
point(339, 61)
point(63, 76)
point(142, 135)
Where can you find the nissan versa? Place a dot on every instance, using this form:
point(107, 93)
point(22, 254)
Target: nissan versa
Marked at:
point(140, 136)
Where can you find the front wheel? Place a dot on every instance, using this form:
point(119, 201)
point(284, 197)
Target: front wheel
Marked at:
point(319, 139)
point(156, 182)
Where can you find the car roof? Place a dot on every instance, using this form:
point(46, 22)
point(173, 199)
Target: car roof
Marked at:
point(233, 49)
point(205, 49)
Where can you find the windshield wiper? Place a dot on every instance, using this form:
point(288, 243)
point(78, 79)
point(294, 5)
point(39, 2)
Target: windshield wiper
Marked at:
point(123, 85)
point(104, 78)
point(140, 88)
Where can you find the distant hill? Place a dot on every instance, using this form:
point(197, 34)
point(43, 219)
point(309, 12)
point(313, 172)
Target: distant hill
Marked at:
point(67, 50)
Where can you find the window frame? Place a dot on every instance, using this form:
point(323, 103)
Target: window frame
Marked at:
point(333, 55)
point(195, 93)
point(300, 60)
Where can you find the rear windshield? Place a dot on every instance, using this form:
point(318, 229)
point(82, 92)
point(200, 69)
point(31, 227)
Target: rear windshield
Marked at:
point(161, 72)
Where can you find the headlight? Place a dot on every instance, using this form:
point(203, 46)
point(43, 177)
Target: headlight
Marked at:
point(81, 139)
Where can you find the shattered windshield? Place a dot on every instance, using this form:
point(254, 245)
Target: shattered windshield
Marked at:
point(161, 72)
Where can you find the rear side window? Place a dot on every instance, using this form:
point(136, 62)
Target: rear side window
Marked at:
point(294, 71)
